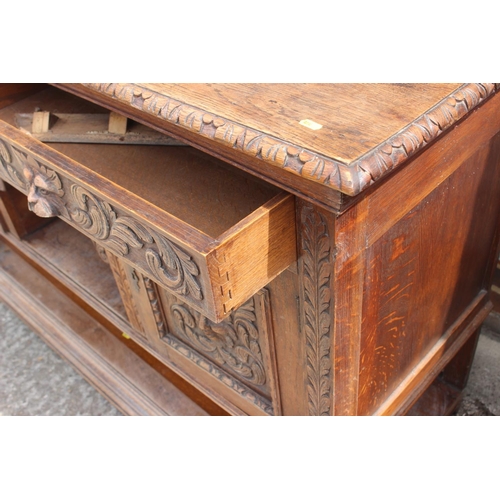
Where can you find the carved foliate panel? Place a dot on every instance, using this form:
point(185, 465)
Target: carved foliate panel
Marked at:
point(50, 194)
point(315, 271)
point(238, 351)
point(232, 344)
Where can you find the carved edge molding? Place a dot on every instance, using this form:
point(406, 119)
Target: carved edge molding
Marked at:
point(316, 309)
point(349, 179)
point(414, 137)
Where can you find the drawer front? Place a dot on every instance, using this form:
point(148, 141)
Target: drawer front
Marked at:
point(213, 275)
point(232, 361)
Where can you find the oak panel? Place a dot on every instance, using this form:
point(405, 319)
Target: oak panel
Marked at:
point(425, 271)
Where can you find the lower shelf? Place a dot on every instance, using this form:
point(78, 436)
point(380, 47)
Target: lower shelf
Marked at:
point(121, 376)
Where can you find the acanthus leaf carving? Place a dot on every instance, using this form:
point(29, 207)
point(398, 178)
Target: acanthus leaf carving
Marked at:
point(174, 267)
point(10, 173)
point(169, 264)
point(96, 218)
point(404, 144)
point(317, 321)
point(234, 342)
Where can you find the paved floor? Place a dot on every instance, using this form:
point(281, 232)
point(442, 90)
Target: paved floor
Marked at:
point(36, 381)
point(482, 394)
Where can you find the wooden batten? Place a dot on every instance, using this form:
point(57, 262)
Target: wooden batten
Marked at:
point(40, 122)
point(117, 123)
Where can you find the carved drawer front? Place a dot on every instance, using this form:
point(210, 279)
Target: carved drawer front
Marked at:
point(209, 234)
point(233, 360)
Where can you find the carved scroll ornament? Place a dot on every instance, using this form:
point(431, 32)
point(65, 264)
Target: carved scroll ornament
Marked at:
point(234, 342)
point(50, 195)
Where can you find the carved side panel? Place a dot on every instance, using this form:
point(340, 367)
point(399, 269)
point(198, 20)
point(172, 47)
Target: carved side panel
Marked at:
point(315, 277)
point(238, 352)
point(50, 194)
point(233, 344)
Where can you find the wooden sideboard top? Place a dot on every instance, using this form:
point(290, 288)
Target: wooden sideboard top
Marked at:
point(342, 137)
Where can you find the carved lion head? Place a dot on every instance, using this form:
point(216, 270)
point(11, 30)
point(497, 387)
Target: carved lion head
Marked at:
point(44, 191)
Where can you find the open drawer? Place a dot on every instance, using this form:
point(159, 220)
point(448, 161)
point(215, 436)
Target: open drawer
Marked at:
point(208, 233)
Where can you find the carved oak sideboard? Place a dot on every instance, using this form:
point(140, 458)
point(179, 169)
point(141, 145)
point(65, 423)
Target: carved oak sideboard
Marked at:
point(306, 249)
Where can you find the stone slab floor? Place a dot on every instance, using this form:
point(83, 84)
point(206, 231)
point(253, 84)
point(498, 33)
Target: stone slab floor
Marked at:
point(36, 381)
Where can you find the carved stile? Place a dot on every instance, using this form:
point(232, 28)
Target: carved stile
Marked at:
point(316, 309)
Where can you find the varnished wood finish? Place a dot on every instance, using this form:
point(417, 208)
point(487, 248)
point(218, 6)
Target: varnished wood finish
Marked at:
point(376, 258)
point(413, 276)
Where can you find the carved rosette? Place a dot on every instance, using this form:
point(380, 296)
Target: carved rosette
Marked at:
point(233, 344)
point(51, 195)
point(316, 276)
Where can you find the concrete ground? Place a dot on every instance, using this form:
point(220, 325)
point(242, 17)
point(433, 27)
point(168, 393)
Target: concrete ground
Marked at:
point(36, 381)
point(482, 394)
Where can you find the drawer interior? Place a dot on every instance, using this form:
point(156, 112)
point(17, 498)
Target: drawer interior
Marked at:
point(198, 189)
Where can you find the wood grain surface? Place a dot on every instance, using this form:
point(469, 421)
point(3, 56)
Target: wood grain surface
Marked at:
point(354, 117)
point(328, 146)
